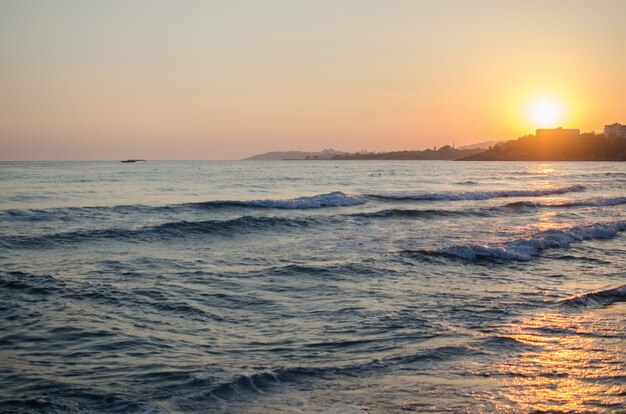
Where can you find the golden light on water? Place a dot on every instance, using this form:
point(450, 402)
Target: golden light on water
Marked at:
point(568, 367)
point(542, 168)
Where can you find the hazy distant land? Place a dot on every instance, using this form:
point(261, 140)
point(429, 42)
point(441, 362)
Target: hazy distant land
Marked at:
point(443, 153)
point(584, 147)
point(326, 154)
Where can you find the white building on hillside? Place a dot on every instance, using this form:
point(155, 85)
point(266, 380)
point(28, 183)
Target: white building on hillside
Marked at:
point(616, 129)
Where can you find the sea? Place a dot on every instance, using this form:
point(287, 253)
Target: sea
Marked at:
point(312, 287)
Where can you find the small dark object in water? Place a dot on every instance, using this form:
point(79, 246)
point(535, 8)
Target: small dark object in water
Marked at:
point(131, 160)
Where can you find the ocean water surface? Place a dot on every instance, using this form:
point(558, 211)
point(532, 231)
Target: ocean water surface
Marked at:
point(290, 286)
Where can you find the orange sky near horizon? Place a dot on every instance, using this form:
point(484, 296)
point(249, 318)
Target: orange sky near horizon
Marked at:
point(227, 80)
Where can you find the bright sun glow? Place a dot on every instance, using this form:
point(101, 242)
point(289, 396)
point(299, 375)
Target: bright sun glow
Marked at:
point(546, 113)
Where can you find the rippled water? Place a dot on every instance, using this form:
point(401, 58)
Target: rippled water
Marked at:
point(312, 287)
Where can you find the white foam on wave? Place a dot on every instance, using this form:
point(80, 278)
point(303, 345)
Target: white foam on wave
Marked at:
point(525, 249)
point(478, 195)
point(334, 199)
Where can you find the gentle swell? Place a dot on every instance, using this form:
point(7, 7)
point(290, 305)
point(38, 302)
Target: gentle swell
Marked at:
point(179, 229)
point(599, 298)
point(593, 202)
point(475, 195)
point(526, 249)
point(259, 382)
point(334, 199)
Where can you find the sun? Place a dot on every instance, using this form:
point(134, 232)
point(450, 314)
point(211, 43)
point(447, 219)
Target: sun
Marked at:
point(546, 113)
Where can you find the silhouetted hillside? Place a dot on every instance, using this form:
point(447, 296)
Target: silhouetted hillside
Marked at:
point(585, 147)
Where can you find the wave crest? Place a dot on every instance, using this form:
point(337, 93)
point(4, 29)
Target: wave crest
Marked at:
point(593, 202)
point(334, 199)
point(408, 213)
point(598, 298)
point(163, 231)
point(475, 195)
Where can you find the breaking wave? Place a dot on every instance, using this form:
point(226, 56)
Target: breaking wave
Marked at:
point(598, 298)
point(526, 249)
point(475, 195)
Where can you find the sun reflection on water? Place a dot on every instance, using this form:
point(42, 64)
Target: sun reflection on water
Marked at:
point(575, 364)
point(542, 169)
point(544, 222)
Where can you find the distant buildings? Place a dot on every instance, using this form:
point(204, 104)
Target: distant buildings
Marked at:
point(616, 129)
point(557, 133)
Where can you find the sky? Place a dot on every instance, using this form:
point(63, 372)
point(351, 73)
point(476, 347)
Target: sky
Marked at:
point(156, 79)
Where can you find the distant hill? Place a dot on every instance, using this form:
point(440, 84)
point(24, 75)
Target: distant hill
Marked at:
point(295, 155)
